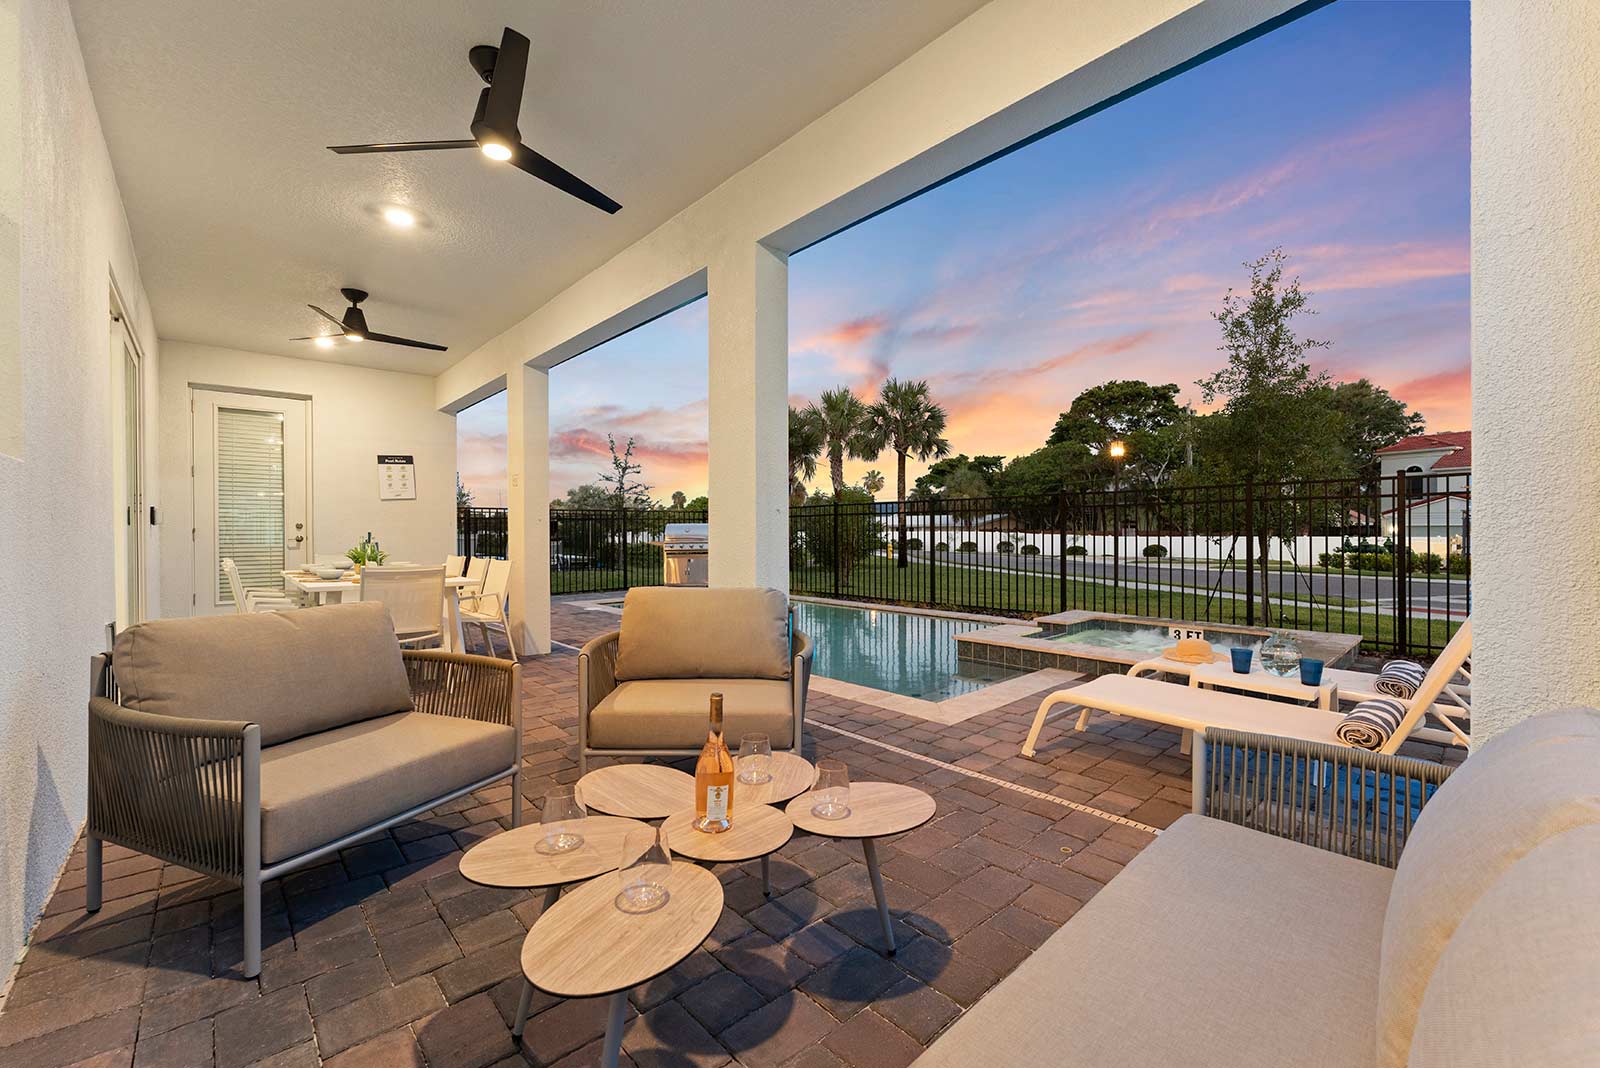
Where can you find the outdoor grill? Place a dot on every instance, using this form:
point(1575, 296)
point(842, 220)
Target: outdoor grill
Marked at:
point(685, 549)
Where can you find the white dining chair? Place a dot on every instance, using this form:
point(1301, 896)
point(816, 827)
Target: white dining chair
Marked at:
point(414, 597)
point(254, 600)
point(477, 568)
point(453, 566)
point(488, 609)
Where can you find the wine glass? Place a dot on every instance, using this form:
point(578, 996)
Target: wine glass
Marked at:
point(832, 791)
point(646, 863)
point(558, 818)
point(755, 758)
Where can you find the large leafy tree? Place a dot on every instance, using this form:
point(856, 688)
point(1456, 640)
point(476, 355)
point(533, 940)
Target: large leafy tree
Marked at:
point(805, 449)
point(1373, 419)
point(1273, 423)
point(843, 421)
point(959, 476)
point(906, 421)
point(590, 496)
point(1148, 418)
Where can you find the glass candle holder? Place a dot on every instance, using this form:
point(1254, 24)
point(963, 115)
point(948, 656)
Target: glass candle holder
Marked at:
point(559, 818)
point(646, 863)
point(755, 759)
point(832, 791)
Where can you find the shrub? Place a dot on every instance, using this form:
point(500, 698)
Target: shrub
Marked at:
point(1460, 565)
point(1004, 547)
point(1427, 563)
point(1370, 561)
point(1075, 550)
point(1154, 552)
point(913, 543)
point(1330, 559)
point(1029, 550)
point(942, 547)
point(967, 547)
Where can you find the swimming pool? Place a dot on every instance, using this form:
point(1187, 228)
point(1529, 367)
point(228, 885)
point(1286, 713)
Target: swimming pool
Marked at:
point(1148, 639)
point(901, 652)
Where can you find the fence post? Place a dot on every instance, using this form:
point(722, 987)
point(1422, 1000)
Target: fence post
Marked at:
point(1250, 552)
point(1061, 550)
point(1402, 566)
point(836, 545)
point(929, 541)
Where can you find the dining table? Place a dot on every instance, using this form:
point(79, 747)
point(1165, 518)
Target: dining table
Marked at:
point(332, 591)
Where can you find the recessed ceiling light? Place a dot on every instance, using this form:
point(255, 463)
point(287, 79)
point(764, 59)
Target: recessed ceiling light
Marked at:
point(324, 342)
point(496, 151)
point(399, 217)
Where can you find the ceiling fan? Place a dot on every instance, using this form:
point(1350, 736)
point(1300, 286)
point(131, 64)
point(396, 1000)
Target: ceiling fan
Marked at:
point(353, 327)
point(494, 124)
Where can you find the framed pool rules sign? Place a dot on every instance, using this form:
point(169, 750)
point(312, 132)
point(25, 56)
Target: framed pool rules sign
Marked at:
point(397, 478)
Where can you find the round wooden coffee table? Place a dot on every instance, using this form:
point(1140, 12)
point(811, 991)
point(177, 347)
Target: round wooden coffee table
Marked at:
point(585, 947)
point(877, 809)
point(638, 791)
point(792, 774)
point(757, 831)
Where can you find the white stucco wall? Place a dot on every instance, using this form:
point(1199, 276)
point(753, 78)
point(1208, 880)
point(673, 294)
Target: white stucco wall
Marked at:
point(56, 522)
point(1535, 358)
point(356, 414)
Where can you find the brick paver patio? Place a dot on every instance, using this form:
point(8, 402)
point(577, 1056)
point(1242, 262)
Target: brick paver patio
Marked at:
point(388, 957)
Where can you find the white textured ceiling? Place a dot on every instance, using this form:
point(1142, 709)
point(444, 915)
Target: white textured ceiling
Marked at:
point(217, 115)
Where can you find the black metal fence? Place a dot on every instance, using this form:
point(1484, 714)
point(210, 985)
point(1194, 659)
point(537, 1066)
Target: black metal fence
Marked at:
point(1388, 559)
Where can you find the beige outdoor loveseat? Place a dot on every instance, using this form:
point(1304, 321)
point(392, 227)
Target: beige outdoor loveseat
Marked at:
point(248, 746)
point(645, 690)
point(1221, 945)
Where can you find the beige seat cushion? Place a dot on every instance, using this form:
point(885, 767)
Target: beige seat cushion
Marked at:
point(703, 633)
point(1519, 983)
point(674, 713)
point(319, 788)
point(1189, 708)
point(1520, 789)
point(1217, 947)
point(294, 673)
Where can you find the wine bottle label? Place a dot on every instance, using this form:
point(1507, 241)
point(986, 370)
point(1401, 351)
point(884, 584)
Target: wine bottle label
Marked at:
point(717, 802)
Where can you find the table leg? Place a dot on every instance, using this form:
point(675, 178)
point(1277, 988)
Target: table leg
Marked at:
point(615, 1011)
point(766, 875)
point(526, 1001)
point(454, 640)
point(871, 851)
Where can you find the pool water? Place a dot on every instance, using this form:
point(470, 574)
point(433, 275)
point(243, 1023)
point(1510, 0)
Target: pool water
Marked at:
point(1145, 639)
point(900, 652)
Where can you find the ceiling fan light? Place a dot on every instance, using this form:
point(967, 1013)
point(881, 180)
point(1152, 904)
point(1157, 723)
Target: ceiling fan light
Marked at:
point(400, 217)
point(354, 337)
point(324, 342)
point(495, 150)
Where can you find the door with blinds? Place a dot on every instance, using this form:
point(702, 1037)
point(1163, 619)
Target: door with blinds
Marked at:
point(251, 457)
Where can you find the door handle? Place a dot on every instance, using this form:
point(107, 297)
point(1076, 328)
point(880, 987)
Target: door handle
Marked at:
point(298, 538)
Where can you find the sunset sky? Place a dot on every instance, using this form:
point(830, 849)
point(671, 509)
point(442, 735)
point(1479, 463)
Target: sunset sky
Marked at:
point(1099, 252)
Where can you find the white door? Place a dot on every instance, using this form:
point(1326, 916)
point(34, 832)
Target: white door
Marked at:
point(251, 491)
point(128, 448)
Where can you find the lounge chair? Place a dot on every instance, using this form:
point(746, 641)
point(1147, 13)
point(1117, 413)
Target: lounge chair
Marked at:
point(1192, 709)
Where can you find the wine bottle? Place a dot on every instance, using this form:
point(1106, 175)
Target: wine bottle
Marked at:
point(713, 778)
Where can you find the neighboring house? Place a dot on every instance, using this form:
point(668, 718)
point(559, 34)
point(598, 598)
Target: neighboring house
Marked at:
point(1438, 474)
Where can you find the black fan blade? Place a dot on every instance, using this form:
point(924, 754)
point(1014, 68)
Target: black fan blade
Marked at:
point(505, 88)
point(390, 339)
point(328, 316)
point(401, 146)
point(525, 158)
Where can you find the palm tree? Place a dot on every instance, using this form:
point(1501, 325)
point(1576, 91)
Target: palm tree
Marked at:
point(843, 422)
point(906, 420)
point(805, 446)
point(872, 482)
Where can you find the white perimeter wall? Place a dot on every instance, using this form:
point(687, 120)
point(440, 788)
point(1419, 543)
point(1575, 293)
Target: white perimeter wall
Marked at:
point(56, 515)
point(1535, 358)
point(356, 414)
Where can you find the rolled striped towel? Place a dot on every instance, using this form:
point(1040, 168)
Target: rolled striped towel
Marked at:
point(1400, 678)
point(1371, 723)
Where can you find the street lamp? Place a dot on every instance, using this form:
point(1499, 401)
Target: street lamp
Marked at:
point(1117, 450)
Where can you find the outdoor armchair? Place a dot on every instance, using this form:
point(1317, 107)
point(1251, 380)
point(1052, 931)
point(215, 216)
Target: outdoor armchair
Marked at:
point(644, 690)
point(248, 746)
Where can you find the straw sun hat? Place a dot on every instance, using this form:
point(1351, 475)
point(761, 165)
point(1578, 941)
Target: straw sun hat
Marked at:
point(1191, 651)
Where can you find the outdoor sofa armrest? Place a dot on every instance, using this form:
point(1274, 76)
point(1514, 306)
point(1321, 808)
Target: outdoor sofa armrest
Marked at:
point(174, 787)
point(1353, 802)
point(483, 688)
point(597, 670)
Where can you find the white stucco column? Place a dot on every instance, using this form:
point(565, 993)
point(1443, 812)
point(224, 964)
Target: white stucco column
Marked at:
point(748, 294)
point(1535, 360)
point(528, 498)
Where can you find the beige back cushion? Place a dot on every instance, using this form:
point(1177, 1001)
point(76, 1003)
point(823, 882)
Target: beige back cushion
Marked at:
point(1523, 788)
point(703, 633)
point(1519, 983)
point(294, 673)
